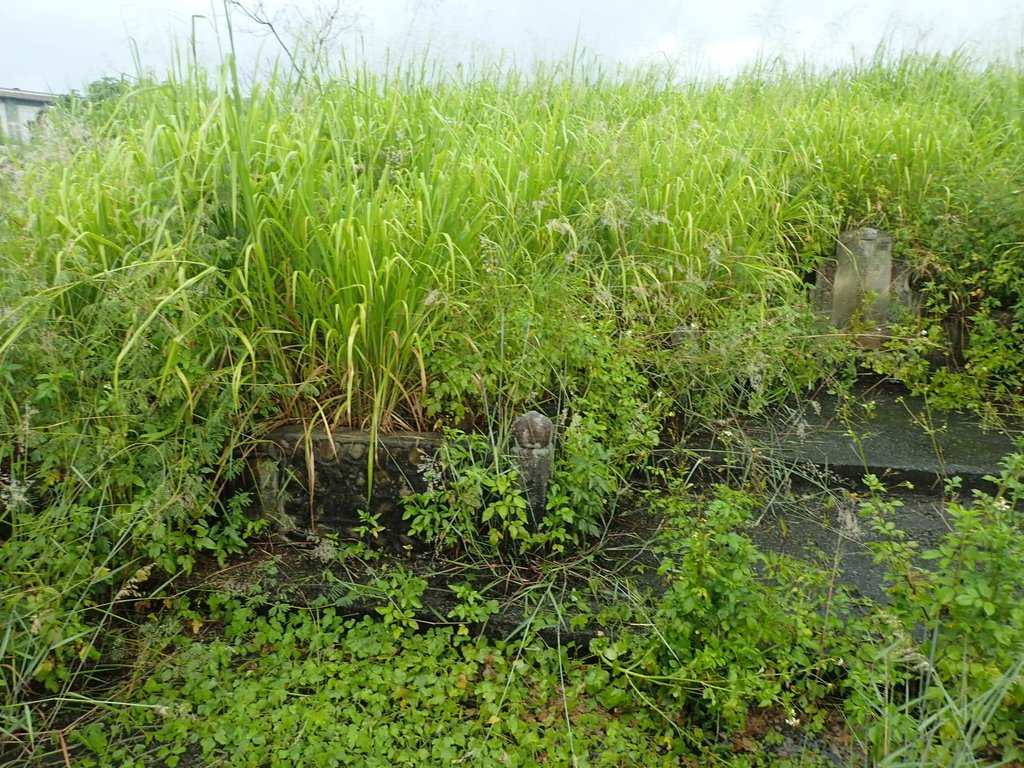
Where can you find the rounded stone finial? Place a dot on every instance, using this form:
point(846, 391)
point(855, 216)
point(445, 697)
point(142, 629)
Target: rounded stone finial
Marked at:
point(533, 430)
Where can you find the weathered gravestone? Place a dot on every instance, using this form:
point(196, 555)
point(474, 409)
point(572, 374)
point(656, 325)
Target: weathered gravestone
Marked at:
point(862, 287)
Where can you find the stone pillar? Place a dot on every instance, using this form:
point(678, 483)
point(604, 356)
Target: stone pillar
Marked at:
point(535, 458)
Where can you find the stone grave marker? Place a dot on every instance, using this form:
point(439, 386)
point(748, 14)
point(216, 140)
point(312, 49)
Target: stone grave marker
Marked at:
point(863, 286)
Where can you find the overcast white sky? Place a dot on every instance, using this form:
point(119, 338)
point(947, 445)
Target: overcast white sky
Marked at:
point(57, 45)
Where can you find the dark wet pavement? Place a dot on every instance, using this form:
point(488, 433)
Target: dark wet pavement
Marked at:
point(827, 447)
point(883, 430)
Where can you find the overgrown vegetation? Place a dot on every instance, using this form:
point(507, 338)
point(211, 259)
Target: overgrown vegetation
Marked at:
point(187, 264)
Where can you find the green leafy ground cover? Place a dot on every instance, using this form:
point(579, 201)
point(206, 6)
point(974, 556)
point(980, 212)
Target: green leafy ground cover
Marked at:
point(187, 263)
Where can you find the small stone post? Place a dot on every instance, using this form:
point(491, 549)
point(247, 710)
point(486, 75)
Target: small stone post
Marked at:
point(535, 457)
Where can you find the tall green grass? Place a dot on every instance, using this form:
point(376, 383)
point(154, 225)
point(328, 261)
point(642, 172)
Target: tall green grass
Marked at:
point(347, 213)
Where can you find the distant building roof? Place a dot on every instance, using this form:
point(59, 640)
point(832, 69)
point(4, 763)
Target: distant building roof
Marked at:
point(36, 97)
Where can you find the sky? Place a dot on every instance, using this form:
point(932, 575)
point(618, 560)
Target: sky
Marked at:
point(59, 45)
